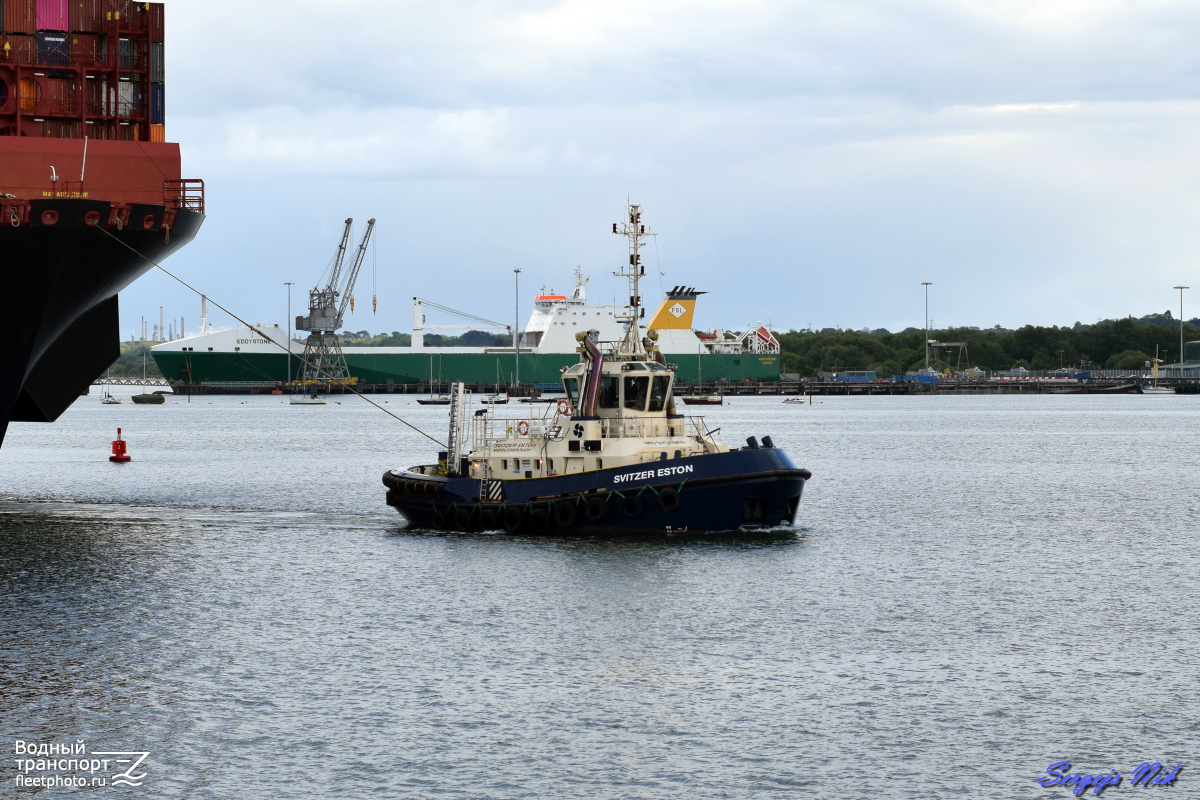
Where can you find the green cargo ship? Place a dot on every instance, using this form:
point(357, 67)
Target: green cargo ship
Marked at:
point(242, 355)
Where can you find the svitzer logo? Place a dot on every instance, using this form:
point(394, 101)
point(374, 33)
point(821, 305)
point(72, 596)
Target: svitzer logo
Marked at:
point(677, 310)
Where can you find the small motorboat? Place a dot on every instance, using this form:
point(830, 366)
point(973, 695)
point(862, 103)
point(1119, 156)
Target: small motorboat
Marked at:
point(307, 400)
point(149, 399)
point(704, 400)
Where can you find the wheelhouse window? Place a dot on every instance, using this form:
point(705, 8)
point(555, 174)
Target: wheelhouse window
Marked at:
point(636, 390)
point(658, 394)
point(608, 396)
point(572, 387)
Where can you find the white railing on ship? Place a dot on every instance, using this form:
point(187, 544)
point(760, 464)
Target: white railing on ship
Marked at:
point(486, 429)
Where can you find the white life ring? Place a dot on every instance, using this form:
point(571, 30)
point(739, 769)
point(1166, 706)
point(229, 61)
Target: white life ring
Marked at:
point(564, 406)
point(523, 428)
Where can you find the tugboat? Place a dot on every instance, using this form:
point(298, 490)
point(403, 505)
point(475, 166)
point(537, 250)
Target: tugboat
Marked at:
point(613, 456)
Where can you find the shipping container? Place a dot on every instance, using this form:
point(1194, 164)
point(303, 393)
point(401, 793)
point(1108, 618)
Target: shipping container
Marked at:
point(126, 132)
point(88, 50)
point(158, 133)
point(129, 98)
point(52, 15)
point(53, 49)
point(98, 129)
point(158, 100)
point(86, 16)
point(30, 94)
point(58, 97)
point(157, 64)
point(96, 98)
point(130, 53)
point(20, 16)
point(18, 49)
point(158, 24)
point(134, 16)
point(62, 128)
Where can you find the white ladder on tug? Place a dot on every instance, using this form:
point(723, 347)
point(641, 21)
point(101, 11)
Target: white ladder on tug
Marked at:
point(458, 407)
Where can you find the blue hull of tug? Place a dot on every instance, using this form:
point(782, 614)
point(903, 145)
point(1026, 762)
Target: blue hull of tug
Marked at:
point(709, 493)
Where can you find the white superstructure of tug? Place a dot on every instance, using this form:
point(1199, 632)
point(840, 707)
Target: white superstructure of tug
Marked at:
point(619, 408)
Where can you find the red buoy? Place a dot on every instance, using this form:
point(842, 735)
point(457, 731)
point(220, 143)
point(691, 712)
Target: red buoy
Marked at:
point(119, 456)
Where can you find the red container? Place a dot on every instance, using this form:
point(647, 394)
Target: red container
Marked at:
point(52, 15)
point(133, 16)
point(58, 98)
point(98, 129)
point(62, 129)
point(127, 132)
point(86, 16)
point(18, 49)
point(88, 50)
point(157, 23)
point(20, 16)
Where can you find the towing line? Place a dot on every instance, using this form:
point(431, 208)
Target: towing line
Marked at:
point(307, 363)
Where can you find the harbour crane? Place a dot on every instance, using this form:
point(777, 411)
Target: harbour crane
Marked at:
point(324, 361)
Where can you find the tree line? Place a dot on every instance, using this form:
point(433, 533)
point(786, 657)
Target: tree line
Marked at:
point(1112, 344)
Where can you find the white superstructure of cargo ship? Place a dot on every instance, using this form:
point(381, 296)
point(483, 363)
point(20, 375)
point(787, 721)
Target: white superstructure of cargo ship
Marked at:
point(547, 340)
point(551, 328)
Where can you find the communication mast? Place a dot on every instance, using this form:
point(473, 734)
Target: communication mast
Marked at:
point(635, 232)
point(323, 358)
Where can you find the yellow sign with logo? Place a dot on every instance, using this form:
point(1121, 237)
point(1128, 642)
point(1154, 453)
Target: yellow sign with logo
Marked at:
point(675, 314)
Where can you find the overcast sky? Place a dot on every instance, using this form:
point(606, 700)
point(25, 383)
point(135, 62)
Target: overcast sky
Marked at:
point(803, 162)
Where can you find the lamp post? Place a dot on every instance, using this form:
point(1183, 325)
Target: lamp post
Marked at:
point(926, 284)
point(289, 291)
point(517, 326)
point(1181, 288)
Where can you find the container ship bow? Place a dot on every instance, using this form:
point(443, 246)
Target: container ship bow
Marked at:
point(90, 191)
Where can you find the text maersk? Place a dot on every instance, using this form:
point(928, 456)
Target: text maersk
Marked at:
point(663, 472)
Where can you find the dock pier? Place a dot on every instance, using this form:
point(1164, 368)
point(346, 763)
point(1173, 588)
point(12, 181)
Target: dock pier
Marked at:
point(751, 389)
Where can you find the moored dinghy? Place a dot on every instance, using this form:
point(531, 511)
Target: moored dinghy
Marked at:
point(615, 456)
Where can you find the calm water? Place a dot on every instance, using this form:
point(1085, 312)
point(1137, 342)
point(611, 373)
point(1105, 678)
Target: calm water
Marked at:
point(976, 587)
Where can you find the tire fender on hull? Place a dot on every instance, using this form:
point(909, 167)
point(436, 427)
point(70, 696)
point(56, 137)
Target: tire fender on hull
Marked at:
point(596, 509)
point(564, 514)
point(633, 506)
point(513, 519)
point(669, 499)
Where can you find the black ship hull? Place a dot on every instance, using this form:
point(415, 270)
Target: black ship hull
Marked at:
point(61, 283)
point(738, 490)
